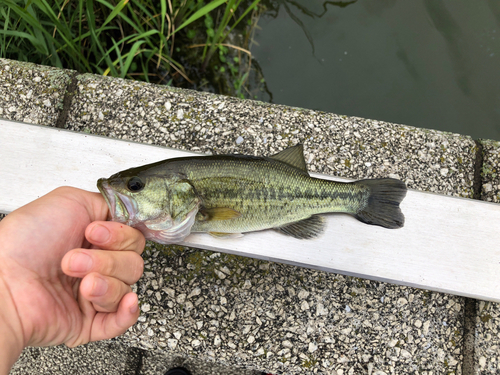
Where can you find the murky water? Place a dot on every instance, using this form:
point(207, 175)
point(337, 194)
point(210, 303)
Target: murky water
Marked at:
point(426, 63)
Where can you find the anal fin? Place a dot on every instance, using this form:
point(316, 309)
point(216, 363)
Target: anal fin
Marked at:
point(308, 228)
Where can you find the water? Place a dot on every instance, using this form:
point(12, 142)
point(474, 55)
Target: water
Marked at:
point(427, 63)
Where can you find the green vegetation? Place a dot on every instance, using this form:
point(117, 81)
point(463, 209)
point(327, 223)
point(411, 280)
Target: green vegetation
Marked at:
point(177, 42)
point(309, 363)
point(485, 318)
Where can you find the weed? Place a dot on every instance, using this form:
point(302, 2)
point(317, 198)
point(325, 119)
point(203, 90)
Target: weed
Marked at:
point(148, 40)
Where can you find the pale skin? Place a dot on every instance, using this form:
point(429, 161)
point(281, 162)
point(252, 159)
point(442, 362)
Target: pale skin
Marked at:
point(65, 274)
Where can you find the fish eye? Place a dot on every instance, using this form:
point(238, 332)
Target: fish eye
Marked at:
point(135, 184)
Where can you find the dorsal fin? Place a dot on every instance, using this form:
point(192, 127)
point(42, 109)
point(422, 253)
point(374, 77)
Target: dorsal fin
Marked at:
point(293, 156)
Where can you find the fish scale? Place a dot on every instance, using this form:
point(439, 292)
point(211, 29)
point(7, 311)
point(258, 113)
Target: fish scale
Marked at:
point(267, 193)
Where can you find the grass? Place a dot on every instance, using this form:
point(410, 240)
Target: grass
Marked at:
point(152, 40)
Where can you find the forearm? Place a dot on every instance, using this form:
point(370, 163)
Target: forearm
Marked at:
point(11, 341)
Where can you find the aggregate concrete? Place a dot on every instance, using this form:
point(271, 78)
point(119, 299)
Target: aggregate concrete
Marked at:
point(32, 93)
point(283, 319)
point(487, 343)
point(106, 357)
point(235, 312)
point(490, 172)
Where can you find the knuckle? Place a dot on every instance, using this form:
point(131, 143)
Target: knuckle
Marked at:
point(135, 241)
point(138, 267)
point(107, 264)
point(118, 293)
point(110, 301)
point(127, 238)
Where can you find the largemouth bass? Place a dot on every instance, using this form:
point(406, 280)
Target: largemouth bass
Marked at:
point(227, 195)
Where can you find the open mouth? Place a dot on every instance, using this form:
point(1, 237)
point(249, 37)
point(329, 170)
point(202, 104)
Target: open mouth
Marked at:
point(108, 195)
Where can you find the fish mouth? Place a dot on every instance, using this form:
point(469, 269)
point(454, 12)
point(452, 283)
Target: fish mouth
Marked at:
point(107, 194)
point(121, 207)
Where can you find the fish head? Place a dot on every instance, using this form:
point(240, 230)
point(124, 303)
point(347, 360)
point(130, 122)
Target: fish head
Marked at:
point(162, 207)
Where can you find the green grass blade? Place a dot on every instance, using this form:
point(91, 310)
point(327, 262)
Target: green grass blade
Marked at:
point(163, 5)
point(96, 43)
point(200, 13)
point(26, 16)
point(130, 58)
point(122, 15)
point(225, 20)
point(117, 9)
point(219, 35)
point(118, 61)
point(34, 41)
point(144, 35)
point(46, 9)
point(251, 7)
point(5, 46)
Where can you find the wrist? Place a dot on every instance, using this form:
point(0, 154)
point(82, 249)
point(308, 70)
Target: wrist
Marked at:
point(11, 334)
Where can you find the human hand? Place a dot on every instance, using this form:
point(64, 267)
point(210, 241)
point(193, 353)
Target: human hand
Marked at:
point(65, 273)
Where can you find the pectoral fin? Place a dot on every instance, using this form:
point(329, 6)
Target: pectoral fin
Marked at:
point(219, 213)
point(304, 229)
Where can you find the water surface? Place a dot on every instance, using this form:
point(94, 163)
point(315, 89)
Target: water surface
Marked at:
point(426, 63)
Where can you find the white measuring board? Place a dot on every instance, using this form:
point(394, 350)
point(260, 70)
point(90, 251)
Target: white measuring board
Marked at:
point(447, 244)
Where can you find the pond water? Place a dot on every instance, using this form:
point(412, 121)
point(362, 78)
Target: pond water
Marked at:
point(426, 63)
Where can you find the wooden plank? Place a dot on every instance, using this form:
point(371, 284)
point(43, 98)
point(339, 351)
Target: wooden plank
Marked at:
point(448, 244)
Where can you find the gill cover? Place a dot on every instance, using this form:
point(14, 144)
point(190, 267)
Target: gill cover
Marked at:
point(177, 218)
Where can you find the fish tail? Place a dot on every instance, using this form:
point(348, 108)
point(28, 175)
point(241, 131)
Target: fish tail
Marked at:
point(382, 205)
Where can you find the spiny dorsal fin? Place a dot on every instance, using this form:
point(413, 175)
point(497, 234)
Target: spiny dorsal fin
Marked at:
point(308, 228)
point(293, 156)
point(219, 213)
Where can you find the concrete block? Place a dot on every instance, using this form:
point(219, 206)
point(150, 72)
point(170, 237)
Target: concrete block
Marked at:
point(490, 171)
point(32, 93)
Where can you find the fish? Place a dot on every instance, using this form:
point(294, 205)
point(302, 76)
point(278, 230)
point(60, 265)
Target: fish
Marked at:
point(229, 195)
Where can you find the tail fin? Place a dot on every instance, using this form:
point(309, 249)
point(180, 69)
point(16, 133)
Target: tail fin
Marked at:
point(382, 207)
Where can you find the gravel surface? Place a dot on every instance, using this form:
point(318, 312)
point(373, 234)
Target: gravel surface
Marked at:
point(105, 357)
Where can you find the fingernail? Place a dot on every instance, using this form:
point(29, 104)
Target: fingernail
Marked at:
point(80, 262)
point(100, 287)
point(134, 307)
point(99, 234)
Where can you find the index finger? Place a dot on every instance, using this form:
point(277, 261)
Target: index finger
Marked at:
point(110, 235)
